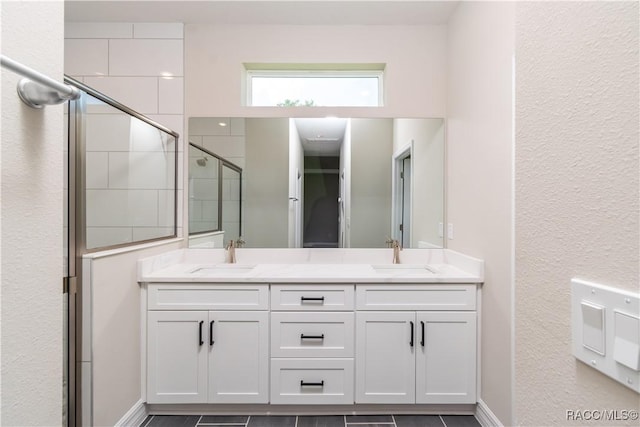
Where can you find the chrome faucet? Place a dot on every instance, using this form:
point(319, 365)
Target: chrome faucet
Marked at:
point(396, 251)
point(231, 250)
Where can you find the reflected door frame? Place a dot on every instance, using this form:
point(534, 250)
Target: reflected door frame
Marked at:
point(402, 195)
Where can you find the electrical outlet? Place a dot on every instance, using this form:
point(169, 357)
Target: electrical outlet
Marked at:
point(450, 231)
point(440, 229)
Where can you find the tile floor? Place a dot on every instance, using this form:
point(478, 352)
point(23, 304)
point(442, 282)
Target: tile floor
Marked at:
point(311, 421)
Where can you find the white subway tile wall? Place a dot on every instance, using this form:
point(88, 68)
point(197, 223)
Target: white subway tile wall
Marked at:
point(130, 169)
point(159, 57)
point(90, 57)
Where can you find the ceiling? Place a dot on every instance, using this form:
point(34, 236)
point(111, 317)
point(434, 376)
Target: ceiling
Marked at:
point(264, 12)
point(321, 137)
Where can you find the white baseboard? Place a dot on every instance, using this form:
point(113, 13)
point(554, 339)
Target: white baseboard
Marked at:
point(485, 417)
point(135, 416)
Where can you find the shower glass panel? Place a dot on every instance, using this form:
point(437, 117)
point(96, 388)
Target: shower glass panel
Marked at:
point(130, 178)
point(203, 191)
point(231, 202)
point(215, 198)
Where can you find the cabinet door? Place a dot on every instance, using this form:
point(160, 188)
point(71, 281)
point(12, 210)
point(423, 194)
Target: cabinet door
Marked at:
point(446, 357)
point(176, 357)
point(385, 359)
point(238, 356)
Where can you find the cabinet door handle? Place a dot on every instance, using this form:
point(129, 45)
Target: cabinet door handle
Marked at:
point(422, 327)
point(304, 384)
point(211, 341)
point(200, 332)
point(411, 342)
point(311, 337)
point(303, 299)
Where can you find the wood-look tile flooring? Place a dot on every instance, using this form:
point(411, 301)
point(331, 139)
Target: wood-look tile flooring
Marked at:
point(311, 421)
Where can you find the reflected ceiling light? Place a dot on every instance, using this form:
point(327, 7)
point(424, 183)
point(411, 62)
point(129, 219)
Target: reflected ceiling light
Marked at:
point(223, 124)
point(322, 139)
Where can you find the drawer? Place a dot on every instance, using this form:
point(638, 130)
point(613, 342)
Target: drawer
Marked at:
point(416, 297)
point(312, 334)
point(168, 296)
point(312, 381)
point(312, 297)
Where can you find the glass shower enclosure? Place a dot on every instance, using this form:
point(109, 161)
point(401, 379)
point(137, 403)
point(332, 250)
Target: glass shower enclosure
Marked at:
point(121, 189)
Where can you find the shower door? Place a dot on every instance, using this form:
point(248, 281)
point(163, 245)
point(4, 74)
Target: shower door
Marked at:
point(121, 189)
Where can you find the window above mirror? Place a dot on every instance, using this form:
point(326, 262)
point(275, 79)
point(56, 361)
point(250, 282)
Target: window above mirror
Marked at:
point(315, 85)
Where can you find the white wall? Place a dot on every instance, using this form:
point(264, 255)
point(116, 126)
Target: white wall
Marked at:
point(414, 77)
point(576, 193)
point(267, 182)
point(31, 173)
point(479, 144)
point(371, 151)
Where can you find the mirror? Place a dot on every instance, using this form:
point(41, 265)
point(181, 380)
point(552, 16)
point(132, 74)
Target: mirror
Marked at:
point(215, 199)
point(324, 182)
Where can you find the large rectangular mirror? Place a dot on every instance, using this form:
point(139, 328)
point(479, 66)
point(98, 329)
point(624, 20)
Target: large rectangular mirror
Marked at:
point(328, 182)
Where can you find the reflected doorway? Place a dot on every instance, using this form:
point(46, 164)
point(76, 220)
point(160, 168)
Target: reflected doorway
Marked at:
point(321, 192)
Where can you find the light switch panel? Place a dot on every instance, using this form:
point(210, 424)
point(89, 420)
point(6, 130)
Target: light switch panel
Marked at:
point(593, 334)
point(626, 340)
point(605, 330)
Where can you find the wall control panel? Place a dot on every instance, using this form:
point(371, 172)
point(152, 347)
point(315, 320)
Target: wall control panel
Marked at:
point(605, 324)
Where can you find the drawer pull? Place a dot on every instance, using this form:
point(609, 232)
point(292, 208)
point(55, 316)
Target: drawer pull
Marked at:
point(411, 342)
point(200, 341)
point(211, 341)
point(311, 337)
point(422, 326)
point(304, 384)
point(303, 299)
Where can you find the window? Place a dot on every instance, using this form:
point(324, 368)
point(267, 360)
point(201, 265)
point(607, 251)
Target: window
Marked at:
point(315, 87)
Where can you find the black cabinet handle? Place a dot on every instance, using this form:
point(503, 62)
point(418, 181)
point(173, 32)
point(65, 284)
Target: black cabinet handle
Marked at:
point(200, 332)
point(303, 299)
point(422, 327)
point(303, 384)
point(211, 341)
point(411, 342)
point(311, 337)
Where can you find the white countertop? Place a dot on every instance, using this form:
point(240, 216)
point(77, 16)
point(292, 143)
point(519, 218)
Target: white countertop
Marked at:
point(312, 266)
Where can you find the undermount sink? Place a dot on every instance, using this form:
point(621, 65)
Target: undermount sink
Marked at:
point(222, 269)
point(404, 269)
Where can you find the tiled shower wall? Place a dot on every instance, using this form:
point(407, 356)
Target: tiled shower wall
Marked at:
point(141, 66)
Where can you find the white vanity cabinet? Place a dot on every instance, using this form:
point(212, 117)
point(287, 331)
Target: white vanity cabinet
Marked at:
point(312, 344)
point(416, 344)
point(199, 355)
